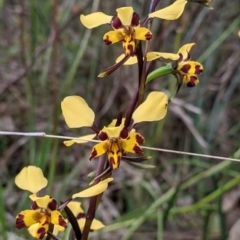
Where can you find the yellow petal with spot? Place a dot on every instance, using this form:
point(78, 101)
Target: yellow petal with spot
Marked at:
point(33, 230)
point(112, 37)
point(171, 12)
point(95, 19)
point(142, 33)
point(39, 230)
point(190, 67)
point(190, 80)
point(94, 190)
point(130, 61)
point(43, 202)
point(114, 154)
point(99, 149)
point(154, 108)
point(131, 146)
point(27, 218)
point(76, 112)
point(75, 207)
point(31, 178)
point(94, 226)
point(57, 219)
point(82, 139)
point(155, 55)
point(184, 51)
point(125, 14)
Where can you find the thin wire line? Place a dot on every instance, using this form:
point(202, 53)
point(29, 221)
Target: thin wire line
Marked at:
point(190, 154)
point(43, 134)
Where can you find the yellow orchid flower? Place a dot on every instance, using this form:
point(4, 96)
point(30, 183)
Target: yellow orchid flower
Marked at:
point(44, 210)
point(116, 140)
point(182, 63)
point(126, 27)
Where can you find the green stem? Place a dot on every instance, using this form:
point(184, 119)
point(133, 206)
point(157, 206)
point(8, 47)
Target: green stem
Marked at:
point(159, 72)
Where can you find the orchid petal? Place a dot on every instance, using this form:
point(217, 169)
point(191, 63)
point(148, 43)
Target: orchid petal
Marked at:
point(142, 33)
point(130, 61)
point(155, 55)
point(82, 139)
point(112, 132)
point(183, 52)
point(27, 218)
point(171, 12)
point(38, 230)
point(114, 154)
point(76, 112)
point(99, 149)
point(95, 19)
point(125, 14)
point(114, 121)
point(31, 178)
point(58, 219)
point(45, 202)
point(154, 108)
point(190, 67)
point(94, 226)
point(131, 143)
point(75, 208)
point(190, 80)
point(94, 190)
point(112, 37)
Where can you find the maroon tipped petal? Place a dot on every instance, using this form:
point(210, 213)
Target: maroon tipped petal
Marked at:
point(52, 205)
point(135, 20)
point(20, 222)
point(116, 23)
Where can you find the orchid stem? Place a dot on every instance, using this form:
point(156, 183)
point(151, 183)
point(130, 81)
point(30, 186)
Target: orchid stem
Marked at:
point(93, 204)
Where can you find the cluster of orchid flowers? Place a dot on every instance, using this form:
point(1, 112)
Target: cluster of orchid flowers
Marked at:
point(119, 138)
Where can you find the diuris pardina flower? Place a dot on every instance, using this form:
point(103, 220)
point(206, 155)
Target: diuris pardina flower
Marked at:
point(115, 140)
point(127, 27)
point(44, 211)
point(182, 63)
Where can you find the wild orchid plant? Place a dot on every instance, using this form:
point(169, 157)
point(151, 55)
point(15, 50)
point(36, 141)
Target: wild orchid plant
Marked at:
point(119, 139)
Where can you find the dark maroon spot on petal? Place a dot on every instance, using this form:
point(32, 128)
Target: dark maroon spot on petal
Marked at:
point(52, 205)
point(139, 139)
point(107, 41)
point(119, 160)
point(193, 81)
point(41, 232)
point(186, 68)
point(81, 215)
point(124, 133)
point(93, 154)
point(111, 162)
point(20, 221)
point(188, 57)
point(131, 50)
point(198, 69)
point(34, 205)
point(135, 20)
point(180, 57)
point(138, 150)
point(148, 35)
point(116, 23)
point(102, 136)
point(61, 221)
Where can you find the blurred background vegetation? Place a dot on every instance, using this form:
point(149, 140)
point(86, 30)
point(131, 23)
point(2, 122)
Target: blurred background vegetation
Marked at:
point(46, 54)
